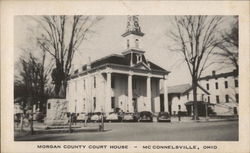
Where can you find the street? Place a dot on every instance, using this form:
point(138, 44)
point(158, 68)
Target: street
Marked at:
point(203, 131)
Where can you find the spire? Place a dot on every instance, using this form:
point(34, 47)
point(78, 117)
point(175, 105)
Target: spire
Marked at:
point(133, 26)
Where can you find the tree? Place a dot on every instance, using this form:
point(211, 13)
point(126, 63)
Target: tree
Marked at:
point(195, 37)
point(61, 37)
point(30, 86)
point(229, 45)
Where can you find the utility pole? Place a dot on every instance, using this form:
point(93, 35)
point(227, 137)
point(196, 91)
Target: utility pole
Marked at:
point(206, 105)
point(70, 122)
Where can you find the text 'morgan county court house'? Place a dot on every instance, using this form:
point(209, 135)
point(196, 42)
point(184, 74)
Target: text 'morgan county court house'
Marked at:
point(128, 81)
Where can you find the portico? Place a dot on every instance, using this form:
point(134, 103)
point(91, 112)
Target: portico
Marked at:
point(140, 89)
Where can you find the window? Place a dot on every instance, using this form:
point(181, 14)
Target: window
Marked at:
point(179, 107)
point(216, 85)
point(48, 105)
point(227, 98)
point(237, 98)
point(236, 83)
point(188, 96)
point(94, 102)
point(207, 86)
point(202, 97)
point(226, 84)
point(127, 43)
point(94, 82)
point(112, 102)
point(138, 58)
point(217, 99)
point(83, 104)
point(84, 85)
point(136, 43)
point(208, 99)
point(113, 82)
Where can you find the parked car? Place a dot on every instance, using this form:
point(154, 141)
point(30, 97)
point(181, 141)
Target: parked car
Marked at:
point(39, 116)
point(130, 117)
point(163, 117)
point(145, 116)
point(96, 116)
point(113, 117)
point(81, 117)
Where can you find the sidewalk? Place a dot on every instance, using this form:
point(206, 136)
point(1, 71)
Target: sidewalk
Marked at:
point(40, 128)
point(202, 119)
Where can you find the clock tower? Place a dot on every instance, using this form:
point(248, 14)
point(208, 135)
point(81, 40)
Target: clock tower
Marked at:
point(133, 34)
point(133, 40)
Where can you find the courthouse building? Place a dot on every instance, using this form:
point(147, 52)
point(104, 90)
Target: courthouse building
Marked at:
point(128, 81)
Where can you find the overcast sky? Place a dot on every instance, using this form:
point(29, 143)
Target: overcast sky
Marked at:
point(107, 39)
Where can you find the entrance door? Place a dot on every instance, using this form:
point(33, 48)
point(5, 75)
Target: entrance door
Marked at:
point(162, 103)
point(135, 104)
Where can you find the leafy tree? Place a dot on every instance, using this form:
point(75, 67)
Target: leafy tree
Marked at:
point(30, 86)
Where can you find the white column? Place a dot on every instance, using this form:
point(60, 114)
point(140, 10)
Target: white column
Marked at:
point(148, 104)
point(108, 93)
point(130, 94)
point(165, 87)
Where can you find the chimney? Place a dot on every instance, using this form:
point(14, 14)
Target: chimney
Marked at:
point(213, 73)
point(89, 64)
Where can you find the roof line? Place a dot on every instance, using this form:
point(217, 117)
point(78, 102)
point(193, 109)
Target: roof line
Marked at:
point(110, 64)
point(198, 85)
point(99, 59)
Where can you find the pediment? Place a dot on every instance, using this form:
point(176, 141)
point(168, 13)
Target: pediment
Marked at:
point(142, 66)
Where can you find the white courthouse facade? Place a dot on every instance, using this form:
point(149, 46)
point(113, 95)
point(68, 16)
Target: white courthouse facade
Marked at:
point(127, 81)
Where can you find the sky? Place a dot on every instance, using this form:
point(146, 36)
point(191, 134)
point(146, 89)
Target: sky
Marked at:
point(107, 40)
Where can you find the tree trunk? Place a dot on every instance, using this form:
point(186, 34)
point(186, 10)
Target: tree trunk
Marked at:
point(195, 108)
point(31, 120)
point(62, 92)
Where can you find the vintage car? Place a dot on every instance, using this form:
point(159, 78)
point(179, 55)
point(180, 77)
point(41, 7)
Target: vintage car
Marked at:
point(145, 116)
point(130, 117)
point(81, 117)
point(163, 117)
point(96, 116)
point(113, 117)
